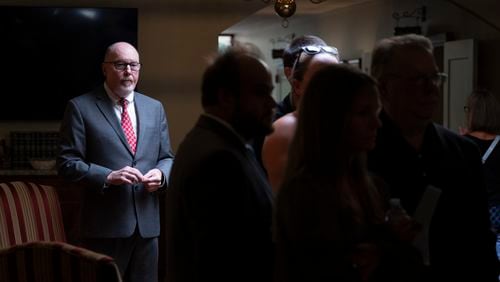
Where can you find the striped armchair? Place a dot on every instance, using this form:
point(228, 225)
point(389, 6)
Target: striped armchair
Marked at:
point(55, 262)
point(29, 212)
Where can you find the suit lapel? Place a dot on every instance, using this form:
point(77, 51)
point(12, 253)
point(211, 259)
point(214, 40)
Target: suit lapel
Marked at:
point(105, 106)
point(141, 112)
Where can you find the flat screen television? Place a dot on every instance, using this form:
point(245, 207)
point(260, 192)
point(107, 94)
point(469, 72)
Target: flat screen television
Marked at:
point(51, 54)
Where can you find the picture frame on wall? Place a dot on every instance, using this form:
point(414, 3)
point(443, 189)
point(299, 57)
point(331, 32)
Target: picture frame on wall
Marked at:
point(356, 62)
point(224, 41)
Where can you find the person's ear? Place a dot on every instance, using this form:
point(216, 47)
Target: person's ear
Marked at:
point(383, 89)
point(298, 91)
point(288, 72)
point(103, 69)
point(297, 86)
point(225, 99)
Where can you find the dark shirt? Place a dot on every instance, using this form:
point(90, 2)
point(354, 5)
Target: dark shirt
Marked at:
point(491, 169)
point(461, 245)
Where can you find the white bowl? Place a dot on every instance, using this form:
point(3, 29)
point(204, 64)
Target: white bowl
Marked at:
point(43, 164)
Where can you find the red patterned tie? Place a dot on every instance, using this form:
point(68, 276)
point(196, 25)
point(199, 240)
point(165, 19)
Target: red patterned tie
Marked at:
point(127, 127)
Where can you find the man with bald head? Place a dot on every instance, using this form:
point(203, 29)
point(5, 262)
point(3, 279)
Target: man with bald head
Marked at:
point(115, 143)
point(275, 148)
point(219, 205)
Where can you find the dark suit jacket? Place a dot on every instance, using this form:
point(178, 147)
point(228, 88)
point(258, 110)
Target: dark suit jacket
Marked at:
point(93, 144)
point(219, 208)
point(461, 245)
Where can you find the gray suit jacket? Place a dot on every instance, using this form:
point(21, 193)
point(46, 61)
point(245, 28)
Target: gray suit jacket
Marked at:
point(219, 209)
point(93, 144)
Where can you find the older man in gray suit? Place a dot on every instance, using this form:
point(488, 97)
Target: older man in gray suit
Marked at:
point(219, 204)
point(115, 142)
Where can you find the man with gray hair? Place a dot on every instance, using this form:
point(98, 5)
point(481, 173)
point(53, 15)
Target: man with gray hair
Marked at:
point(435, 172)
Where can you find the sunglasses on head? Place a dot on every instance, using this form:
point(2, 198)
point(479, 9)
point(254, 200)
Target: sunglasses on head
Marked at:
point(312, 50)
point(315, 49)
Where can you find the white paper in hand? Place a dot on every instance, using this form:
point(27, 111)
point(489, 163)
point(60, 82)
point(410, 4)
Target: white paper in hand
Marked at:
point(423, 215)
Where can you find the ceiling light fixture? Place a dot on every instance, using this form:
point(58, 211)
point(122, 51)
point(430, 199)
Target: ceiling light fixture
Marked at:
point(286, 8)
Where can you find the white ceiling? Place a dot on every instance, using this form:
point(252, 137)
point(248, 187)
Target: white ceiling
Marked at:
point(305, 8)
point(481, 9)
point(486, 9)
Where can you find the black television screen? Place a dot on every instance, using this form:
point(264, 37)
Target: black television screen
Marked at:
point(50, 55)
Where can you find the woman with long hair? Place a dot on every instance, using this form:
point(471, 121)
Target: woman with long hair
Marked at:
point(329, 214)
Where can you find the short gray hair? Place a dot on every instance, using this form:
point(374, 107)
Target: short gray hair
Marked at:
point(385, 49)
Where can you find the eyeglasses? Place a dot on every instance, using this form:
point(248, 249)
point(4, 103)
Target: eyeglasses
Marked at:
point(437, 79)
point(313, 50)
point(121, 66)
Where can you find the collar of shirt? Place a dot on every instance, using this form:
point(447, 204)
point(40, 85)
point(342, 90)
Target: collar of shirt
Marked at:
point(118, 108)
point(389, 136)
point(228, 126)
point(115, 98)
